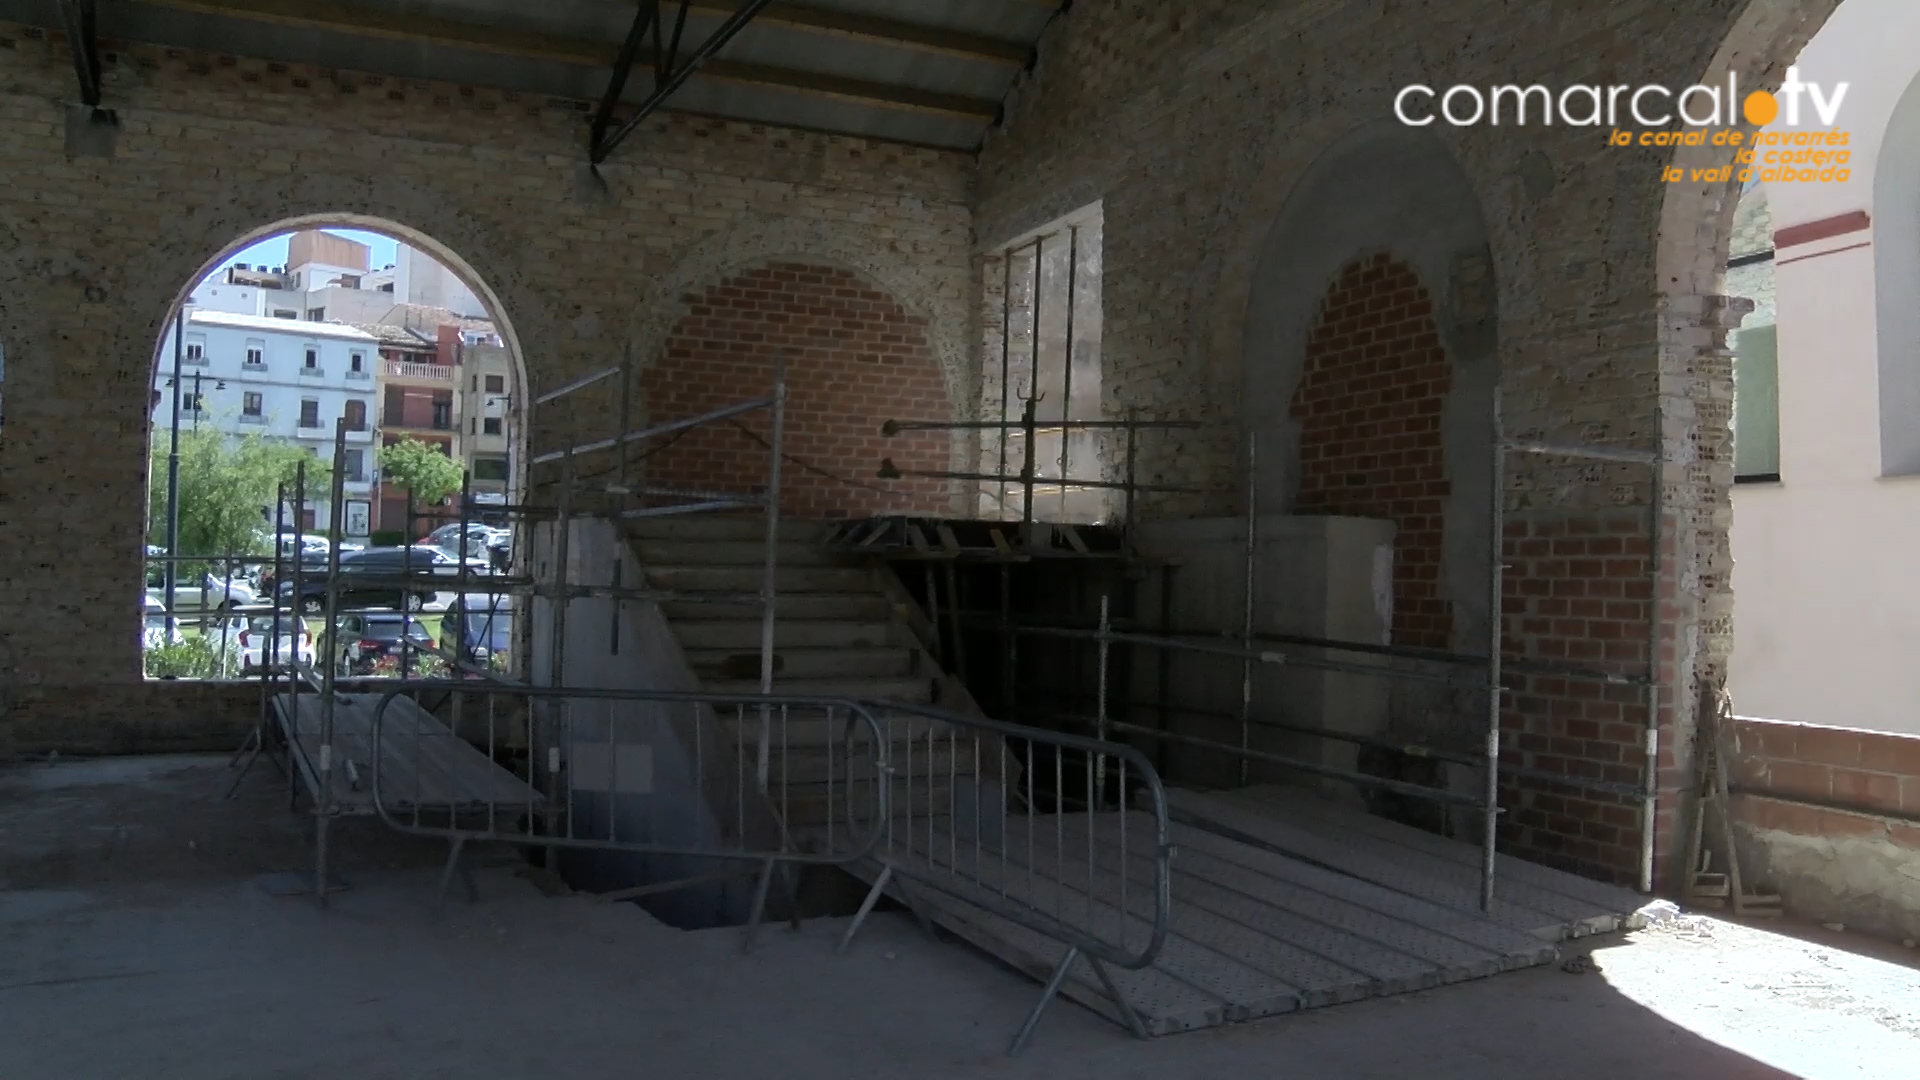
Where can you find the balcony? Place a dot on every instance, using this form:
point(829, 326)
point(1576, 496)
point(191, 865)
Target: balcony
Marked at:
point(360, 435)
point(252, 418)
point(313, 373)
point(402, 369)
point(362, 374)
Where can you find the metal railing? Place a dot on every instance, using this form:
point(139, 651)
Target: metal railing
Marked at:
point(1064, 836)
point(662, 774)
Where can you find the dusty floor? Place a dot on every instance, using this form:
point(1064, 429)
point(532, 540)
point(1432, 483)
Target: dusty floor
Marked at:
point(138, 944)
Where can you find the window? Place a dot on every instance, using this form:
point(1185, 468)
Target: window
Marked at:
point(317, 314)
point(473, 383)
point(491, 425)
point(196, 349)
point(357, 466)
point(190, 402)
point(442, 415)
point(496, 384)
point(256, 352)
point(313, 358)
point(356, 415)
point(252, 404)
point(309, 413)
point(1756, 405)
point(490, 468)
point(357, 362)
point(473, 426)
point(283, 313)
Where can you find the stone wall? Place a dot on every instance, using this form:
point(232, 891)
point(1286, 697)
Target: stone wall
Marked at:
point(214, 151)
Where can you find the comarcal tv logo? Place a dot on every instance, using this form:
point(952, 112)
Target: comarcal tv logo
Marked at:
point(1798, 140)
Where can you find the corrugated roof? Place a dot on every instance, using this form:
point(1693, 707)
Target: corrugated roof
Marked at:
point(927, 72)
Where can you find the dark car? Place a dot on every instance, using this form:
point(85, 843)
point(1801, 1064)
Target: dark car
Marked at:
point(367, 637)
point(359, 587)
point(478, 628)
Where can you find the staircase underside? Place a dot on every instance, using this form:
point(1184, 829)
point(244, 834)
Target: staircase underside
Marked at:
point(1281, 902)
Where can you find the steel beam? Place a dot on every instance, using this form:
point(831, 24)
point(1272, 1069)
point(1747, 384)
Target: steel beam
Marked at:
point(81, 18)
point(673, 80)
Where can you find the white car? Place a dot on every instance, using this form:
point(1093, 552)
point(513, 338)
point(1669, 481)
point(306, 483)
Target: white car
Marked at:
point(295, 644)
point(207, 597)
point(153, 632)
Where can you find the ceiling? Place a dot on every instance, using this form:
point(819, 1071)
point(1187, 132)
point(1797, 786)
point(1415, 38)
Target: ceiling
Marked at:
point(924, 72)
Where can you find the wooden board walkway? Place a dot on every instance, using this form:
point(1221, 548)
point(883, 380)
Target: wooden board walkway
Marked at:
point(1255, 930)
point(422, 763)
point(1549, 904)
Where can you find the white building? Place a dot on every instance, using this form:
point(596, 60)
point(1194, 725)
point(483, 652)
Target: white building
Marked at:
point(283, 379)
point(1827, 402)
point(329, 278)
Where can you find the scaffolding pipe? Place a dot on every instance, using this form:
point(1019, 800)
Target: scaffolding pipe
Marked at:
point(1496, 524)
point(581, 383)
point(1590, 453)
point(654, 431)
point(1650, 782)
point(1006, 365)
point(1246, 608)
point(323, 809)
point(897, 427)
point(768, 592)
point(1066, 378)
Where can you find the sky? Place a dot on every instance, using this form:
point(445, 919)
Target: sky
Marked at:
point(273, 252)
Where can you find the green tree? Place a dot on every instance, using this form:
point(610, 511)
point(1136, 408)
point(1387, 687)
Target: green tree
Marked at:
point(423, 468)
point(227, 487)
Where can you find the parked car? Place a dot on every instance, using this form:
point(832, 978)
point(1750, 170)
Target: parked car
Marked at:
point(153, 633)
point(366, 637)
point(478, 628)
point(478, 539)
point(357, 592)
point(203, 597)
point(292, 642)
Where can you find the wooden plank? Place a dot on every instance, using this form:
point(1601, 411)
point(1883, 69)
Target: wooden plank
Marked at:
point(1461, 945)
point(1604, 897)
point(1218, 942)
point(1437, 880)
point(422, 762)
point(1389, 966)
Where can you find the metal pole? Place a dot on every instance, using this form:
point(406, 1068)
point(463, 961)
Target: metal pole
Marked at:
point(1497, 526)
point(1246, 609)
point(1006, 365)
point(767, 591)
point(298, 594)
point(1100, 714)
point(1026, 473)
point(556, 663)
point(406, 576)
point(272, 650)
point(1066, 380)
point(1127, 526)
point(1650, 797)
point(173, 475)
point(323, 808)
point(460, 630)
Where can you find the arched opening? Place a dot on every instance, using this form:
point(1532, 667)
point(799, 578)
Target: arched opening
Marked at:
point(321, 343)
point(853, 359)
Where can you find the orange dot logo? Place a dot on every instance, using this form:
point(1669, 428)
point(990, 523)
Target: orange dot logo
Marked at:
point(1760, 108)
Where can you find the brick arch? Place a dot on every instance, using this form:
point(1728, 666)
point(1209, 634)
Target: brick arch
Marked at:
point(855, 359)
point(1369, 405)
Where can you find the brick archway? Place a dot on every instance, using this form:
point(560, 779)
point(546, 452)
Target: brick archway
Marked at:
point(855, 359)
point(1369, 405)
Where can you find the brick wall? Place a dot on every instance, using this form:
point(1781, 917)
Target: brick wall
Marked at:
point(855, 359)
point(95, 250)
point(1575, 595)
point(1369, 406)
point(1830, 818)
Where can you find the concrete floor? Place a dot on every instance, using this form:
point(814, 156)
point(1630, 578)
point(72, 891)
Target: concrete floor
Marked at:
point(134, 942)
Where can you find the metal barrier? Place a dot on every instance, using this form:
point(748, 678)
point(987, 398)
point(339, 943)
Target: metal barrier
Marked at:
point(663, 774)
point(1062, 836)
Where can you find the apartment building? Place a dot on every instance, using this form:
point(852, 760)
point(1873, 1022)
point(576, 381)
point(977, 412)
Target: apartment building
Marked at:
point(285, 380)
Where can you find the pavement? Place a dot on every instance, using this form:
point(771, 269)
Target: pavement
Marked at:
point(137, 941)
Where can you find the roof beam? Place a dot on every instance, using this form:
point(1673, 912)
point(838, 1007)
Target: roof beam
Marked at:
point(80, 19)
point(449, 33)
point(425, 28)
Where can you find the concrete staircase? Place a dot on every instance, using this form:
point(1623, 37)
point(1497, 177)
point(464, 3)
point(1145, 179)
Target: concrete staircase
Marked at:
point(842, 629)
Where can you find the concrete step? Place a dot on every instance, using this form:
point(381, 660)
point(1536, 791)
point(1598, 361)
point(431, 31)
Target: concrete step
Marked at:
point(801, 663)
point(800, 579)
point(744, 634)
point(798, 605)
point(908, 689)
point(740, 553)
point(724, 527)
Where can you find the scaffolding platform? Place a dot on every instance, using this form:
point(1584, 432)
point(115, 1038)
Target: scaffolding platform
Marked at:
point(423, 764)
point(1278, 905)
